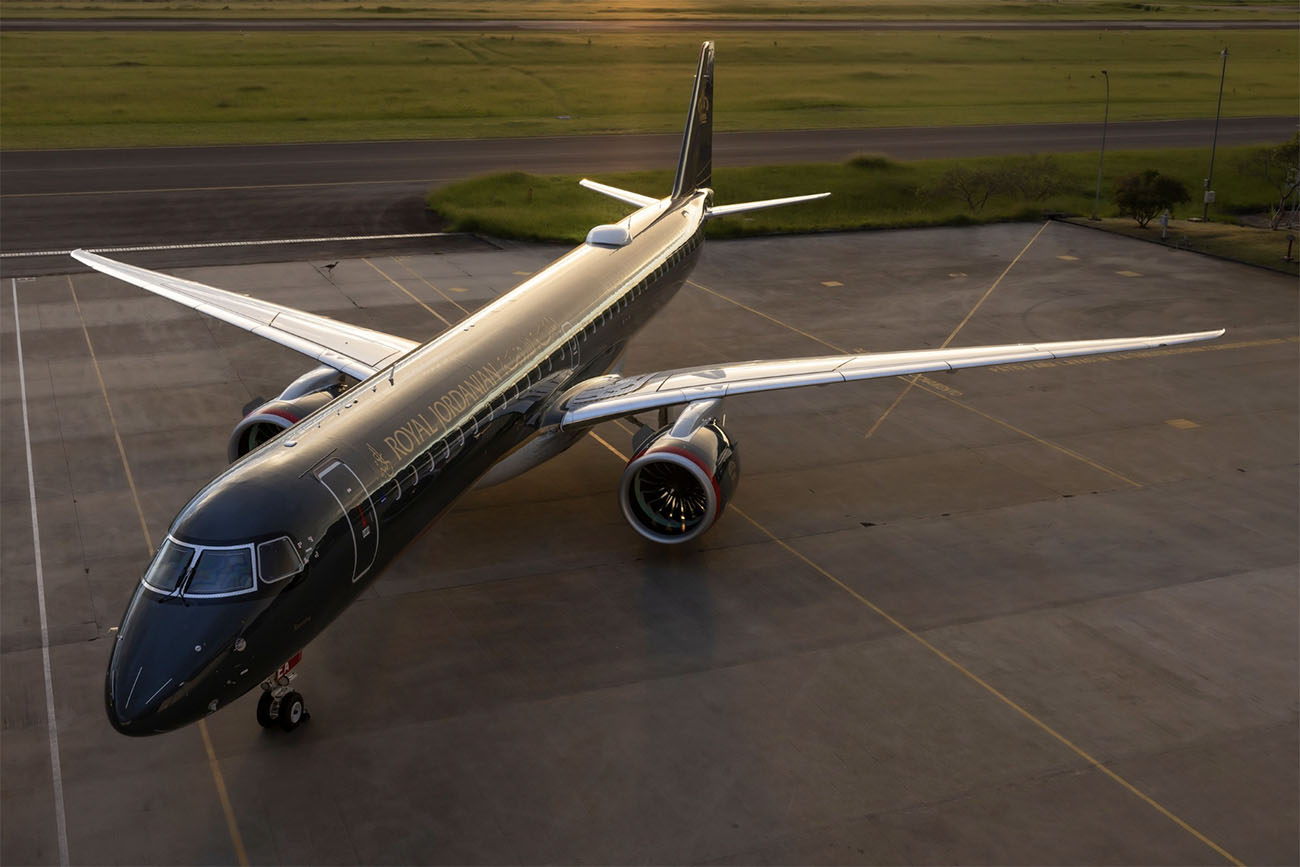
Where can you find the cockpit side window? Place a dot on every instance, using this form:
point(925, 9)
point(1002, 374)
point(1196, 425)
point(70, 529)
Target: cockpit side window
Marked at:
point(169, 566)
point(221, 570)
point(277, 560)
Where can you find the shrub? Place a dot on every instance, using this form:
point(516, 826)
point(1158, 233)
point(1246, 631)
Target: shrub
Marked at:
point(869, 161)
point(1142, 195)
point(1279, 168)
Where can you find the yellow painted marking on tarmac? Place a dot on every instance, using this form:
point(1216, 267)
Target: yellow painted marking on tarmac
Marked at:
point(460, 289)
point(936, 385)
point(912, 381)
point(760, 313)
point(832, 283)
point(1182, 423)
point(1057, 447)
point(931, 385)
point(1066, 257)
point(232, 826)
point(958, 274)
point(597, 437)
point(112, 420)
point(996, 284)
point(406, 291)
point(213, 189)
point(1208, 346)
point(1128, 273)
point(219, 779)
point(992, 690)
point(522, 273)
point(402, 261)
point(966, 672)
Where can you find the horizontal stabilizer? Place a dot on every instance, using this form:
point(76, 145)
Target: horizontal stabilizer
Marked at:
point(726, 210)
point(628, 196)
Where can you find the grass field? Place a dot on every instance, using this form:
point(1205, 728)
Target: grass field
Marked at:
point(867, 193)
point(1253, 246)
point(543, 9)
point(122, 89)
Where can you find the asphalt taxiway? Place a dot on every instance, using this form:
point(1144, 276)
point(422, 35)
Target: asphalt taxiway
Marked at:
point(1042, 613)
point(55, 200)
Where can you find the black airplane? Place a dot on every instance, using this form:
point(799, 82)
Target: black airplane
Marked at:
point(331, 479)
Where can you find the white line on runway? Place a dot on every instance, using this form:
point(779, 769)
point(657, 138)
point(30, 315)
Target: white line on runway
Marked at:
point(271, 243)
point(59, 817)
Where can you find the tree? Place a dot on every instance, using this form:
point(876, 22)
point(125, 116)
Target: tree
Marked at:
point(1036, 178)
point(972, 184)
point(1144, 194)
point(1279, 167)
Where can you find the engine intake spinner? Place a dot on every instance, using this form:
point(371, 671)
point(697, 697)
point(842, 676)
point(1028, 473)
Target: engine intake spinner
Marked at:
point(677, 485)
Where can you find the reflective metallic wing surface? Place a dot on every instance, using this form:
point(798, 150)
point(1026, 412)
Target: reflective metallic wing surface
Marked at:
point(615, 396)
point(356, 351)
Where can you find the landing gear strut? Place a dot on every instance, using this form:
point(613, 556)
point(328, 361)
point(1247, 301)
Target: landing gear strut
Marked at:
point(279, 705)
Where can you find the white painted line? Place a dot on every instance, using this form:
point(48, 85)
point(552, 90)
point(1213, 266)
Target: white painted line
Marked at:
point(211, 244)
point(59, 816)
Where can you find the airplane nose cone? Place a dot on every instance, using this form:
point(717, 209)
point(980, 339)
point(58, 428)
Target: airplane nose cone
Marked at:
point(166, 667)
point(120, 713)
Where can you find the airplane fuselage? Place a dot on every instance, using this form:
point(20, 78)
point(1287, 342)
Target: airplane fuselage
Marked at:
point(273, 549)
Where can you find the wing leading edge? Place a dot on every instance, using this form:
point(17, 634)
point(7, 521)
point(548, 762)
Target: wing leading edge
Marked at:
point(616, 396)
point(358, 352)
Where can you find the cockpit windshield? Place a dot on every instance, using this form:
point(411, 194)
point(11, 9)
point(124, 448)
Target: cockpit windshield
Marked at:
point(221, 571)
point(169, 566)
point(197, 570)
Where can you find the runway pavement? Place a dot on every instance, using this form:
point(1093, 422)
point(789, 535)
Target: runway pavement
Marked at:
point(1037, 614)
point(58, 200)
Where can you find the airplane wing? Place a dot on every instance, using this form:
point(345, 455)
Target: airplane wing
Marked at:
point(611, 397)
point(358, 352)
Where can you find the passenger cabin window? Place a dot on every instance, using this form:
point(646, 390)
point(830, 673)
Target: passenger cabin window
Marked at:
point(277, 560)
point(169, 566)
point(221, 570)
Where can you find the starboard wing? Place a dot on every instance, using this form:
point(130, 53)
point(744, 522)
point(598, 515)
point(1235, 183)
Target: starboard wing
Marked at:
point(611, 397)
point(351, 349)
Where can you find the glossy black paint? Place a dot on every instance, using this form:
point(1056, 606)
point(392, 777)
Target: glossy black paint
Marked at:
point(415, 437)
point(359, 478)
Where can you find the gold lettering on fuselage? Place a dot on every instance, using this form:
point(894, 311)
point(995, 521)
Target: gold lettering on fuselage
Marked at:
point(437, 416)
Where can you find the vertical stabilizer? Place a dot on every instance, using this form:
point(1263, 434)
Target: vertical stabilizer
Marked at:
point(695, 167)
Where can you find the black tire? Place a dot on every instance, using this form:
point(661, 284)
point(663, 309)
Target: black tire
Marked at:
point(293, 711)
point(264, 702)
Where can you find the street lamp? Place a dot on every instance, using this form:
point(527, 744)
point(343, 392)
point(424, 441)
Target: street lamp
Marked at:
point(1209, 193)
point(1096, 202)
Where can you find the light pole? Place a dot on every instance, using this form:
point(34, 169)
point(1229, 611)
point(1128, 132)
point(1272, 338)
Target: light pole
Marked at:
point(1096, 202)
point(1209, 193)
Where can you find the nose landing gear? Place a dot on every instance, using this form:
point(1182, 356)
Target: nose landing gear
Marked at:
point(279, 705)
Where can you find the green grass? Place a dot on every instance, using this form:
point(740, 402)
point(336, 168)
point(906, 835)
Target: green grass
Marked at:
point(1254, 246)
point(124, 89)
point(543, 9)
point(867, 193)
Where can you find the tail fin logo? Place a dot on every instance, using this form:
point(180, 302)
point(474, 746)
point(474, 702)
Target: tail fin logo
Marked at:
point(704, 108)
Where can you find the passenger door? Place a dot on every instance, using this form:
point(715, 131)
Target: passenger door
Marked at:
point(363, 521)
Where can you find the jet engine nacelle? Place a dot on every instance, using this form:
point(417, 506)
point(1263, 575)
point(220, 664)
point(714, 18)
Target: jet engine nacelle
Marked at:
point(681, 479)
point(305, 395)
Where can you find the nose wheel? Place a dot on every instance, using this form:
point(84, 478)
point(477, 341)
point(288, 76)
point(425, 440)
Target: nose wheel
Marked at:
point(278, 705)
